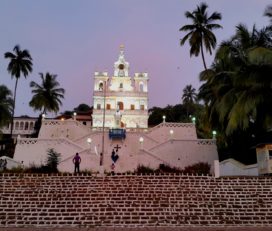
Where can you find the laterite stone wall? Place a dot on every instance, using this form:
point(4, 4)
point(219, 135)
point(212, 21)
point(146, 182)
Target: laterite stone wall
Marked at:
point(134, 201)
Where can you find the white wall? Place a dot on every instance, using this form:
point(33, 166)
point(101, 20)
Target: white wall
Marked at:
point(231, 167)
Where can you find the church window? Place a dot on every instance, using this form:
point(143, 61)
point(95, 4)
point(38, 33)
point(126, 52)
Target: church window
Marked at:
point(100, 86)
point(120, 105)
point(132, 107)
point(98, 106)
point(108, 106)
point(142, 107)
point(141, 87)
point(121, 85)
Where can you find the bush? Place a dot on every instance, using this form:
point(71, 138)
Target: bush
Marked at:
point(53, 159)
point(195, 169)
point(198, 169)
point(141, 169)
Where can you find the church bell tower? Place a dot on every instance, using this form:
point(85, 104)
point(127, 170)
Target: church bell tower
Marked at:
point(124, 98)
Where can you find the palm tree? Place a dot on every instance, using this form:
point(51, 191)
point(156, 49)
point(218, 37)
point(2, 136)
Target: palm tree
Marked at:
point(189, 94)
point(200, 31)
point(189, 98)
point(6, 105)
point(237, 88)
point(47, 96)
point(268, 12)
point(20, 63)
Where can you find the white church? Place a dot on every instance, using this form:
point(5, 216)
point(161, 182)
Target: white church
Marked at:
point(120, 116)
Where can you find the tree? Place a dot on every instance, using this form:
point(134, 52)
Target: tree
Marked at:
point(6, 105)
point(82, 108)
point(237, 88)
point(200, 31)
point(189, 98)
point(268, 12)
point(189, 94)
point(53, 160)
point(20, 63)
point(47, 96)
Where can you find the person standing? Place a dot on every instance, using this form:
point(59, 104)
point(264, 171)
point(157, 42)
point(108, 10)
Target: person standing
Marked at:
point(76, 161)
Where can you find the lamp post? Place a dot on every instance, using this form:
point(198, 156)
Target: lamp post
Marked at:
point(74, 115)
point(193, 120)
point(214, 134)
point(141, 140)
point(163, 118)
point(171, 134)
point(103, 128)
point(89, 141)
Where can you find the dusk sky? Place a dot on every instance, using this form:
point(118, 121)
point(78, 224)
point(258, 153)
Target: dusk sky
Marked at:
point(73, 39)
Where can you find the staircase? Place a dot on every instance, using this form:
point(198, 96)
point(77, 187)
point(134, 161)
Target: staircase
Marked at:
point(134, 201)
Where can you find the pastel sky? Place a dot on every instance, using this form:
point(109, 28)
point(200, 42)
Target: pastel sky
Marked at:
point(73, 39)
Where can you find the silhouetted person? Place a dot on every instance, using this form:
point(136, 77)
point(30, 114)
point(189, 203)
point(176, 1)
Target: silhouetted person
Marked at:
point(77, 161)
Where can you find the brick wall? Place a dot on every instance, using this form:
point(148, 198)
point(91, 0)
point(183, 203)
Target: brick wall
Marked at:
point(134, 201)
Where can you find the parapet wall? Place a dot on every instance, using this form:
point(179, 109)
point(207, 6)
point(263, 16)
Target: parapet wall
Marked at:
point(134, 201)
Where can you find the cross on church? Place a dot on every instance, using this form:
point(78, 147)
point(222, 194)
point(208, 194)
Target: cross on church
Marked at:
point(117, 147)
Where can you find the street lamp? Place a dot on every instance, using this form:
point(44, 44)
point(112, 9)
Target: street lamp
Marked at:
point(74, 115)
point(171, 134)
point(193, 120)
point(163, 118)
point(214, 134)
point(89, 141)
point(141, 140)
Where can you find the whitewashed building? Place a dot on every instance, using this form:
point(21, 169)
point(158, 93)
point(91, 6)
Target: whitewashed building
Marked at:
point(124, 98)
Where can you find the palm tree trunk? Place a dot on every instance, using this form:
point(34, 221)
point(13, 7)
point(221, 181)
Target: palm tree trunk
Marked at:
point(202, 54)
point(13, 108)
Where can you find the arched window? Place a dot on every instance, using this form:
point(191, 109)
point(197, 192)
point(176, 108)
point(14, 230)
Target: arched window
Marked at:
point(100, 87)
point(26, 125)
point(16, 125)
point(31, 126)
point(121, 85)
point(120, 105)
point(141, 87)
point(22, 126)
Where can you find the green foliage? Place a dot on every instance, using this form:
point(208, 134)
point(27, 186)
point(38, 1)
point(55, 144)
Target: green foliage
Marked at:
point(53, 159)
point(20, 63)
point(141, 169)
point(47, 96)
point(200, 31)
point(198, 169)
point(82, 108)
point(237, 92)
point(6, 105)
point(195, 169)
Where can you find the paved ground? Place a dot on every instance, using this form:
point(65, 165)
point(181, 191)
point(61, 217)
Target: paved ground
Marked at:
point(143, 229)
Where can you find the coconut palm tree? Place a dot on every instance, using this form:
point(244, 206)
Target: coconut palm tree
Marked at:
point(6, 105)
point(20, 64)
point(189, 94)
point(200, 31)
point(237, 88)
point(47, 96)
point(268, 12)
point(189, 98)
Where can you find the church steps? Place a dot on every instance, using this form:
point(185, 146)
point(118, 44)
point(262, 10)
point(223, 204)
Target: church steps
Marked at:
point(134, 201)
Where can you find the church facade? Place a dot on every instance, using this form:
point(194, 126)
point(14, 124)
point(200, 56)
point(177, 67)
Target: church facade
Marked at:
point(120, 101)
